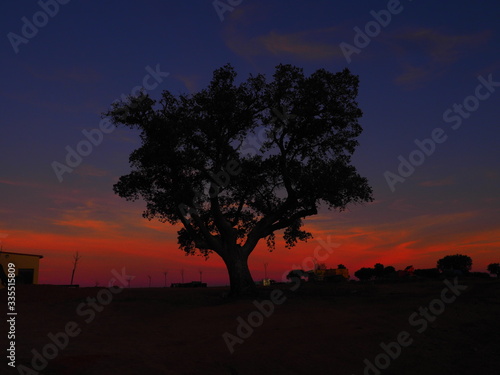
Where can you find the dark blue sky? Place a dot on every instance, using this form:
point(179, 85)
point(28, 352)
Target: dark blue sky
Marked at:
point(428, 57)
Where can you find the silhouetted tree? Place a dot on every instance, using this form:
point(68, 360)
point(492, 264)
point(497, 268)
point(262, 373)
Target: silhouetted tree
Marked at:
point(364, 273)
point(3, 276)
point(297, 274)
point(389, 270)
point(458, 262)
point(193, 168)
point(484, 275)
point(320, 266)
point(378, 270)
point(427, 272)
point(494, 269)
point(76, 258)
point(341, 267)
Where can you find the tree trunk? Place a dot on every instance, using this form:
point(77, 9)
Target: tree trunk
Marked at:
point(240, 278)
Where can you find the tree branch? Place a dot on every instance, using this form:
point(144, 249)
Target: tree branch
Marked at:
point(205, 240)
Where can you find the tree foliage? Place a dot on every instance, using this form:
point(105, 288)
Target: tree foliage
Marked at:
point(378, 270)
point(456, 262)
point(427, 272)
point(389, 270)
point(193, 167)
point(494, 268)
point(364, 273)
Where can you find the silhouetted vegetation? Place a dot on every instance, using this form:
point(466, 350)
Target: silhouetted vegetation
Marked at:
point(297, 274)
point(455, 264)
point(364, 274)
point(389, 270)
point(494, 269)
point(195, 166)
point(378, 272)
point(431, 273)
point(483, 275)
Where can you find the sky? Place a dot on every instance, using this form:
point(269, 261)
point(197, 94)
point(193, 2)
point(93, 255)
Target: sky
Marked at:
point(429, 90)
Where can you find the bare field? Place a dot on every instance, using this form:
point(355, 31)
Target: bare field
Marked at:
point(320, 329)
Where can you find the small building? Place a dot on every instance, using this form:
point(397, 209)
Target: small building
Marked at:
point(192, 284)
point(266, 282)
point(26, 267)
point(407, 272)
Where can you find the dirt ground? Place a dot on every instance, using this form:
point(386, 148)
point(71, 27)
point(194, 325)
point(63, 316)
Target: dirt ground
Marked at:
point(329, 329)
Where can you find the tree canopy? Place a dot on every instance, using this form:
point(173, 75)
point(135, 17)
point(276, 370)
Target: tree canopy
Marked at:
point(457, 262)
point(494, 268)
point(365, 273)
point(193, 167)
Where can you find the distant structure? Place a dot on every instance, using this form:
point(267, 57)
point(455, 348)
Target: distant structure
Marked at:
point(267, 282)
point(329, 274)
point(407, 272)
point(192, 284)
point(321, 274)
point(165, 273)
point(26, 266)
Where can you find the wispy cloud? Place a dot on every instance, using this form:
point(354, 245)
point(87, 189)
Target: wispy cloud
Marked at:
point(95, 225)
point(79, 74)
point(13, 183)
point(443, 182)
point(435, 50)
point(420, 240)
point(309, 45)
point(302, 45)
point(190, 81)
point(90, 170)
point(22, 183)
point(412, 74)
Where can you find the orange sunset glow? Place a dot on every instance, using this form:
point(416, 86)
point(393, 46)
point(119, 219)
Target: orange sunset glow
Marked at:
point(366, 235)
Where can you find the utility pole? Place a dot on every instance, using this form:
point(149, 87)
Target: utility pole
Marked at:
point(149, 277)
point(165, 275)
point(201, 272)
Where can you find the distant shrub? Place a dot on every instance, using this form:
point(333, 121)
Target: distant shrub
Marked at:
point(364, 273)
point(494, 269)
point(484, 275)
point(431, 273)
point(455, 262)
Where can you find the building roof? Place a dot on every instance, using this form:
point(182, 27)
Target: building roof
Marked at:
point(28, 255)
